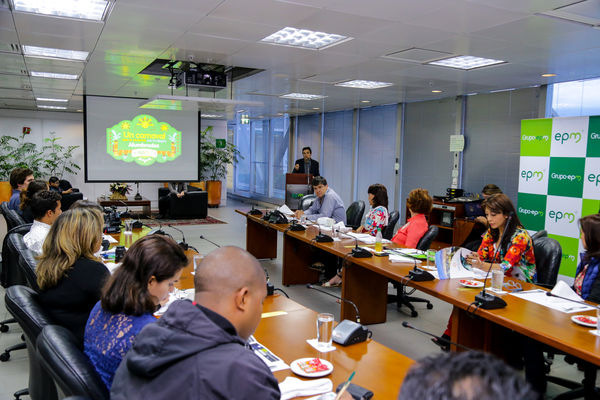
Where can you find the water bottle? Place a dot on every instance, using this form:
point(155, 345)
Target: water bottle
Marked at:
point(378, 244)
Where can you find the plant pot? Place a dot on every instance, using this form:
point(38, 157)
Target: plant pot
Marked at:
point(214, 193)
point(118, 196)
point(199, 185)
point(5, 191)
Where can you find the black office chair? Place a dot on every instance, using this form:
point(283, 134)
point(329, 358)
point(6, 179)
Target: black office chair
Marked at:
point(13, 219)
point(74, 375)
point(548, 255)
point(403, 297)
point(14, 246)
point(388, 231)
point(27, 264)
point(307, 201)
point(23, 303)
point(539, 234)
point(8, 268)
point(354, 214)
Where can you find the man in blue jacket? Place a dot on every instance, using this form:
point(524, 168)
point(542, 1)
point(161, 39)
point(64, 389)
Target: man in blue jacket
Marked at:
point(197, 350)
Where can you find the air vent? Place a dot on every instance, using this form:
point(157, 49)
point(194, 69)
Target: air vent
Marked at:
point(13, 48)
point(24, 72)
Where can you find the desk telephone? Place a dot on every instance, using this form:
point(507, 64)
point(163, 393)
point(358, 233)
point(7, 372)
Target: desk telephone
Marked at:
point(349, 332)
point(275, 217)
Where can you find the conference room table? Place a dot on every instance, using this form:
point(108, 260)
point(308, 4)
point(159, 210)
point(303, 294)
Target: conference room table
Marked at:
point(365, 282)
point(286, 325)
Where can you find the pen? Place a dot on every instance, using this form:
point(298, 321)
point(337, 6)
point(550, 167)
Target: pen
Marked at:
point(343, 389)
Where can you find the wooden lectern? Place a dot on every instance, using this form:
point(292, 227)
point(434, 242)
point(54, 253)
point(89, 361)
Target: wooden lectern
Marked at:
point(296, 186)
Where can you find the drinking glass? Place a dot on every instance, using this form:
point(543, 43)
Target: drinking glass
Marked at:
point(324, 330)
point(497, 280)
point(197, 260)
point(128, 226)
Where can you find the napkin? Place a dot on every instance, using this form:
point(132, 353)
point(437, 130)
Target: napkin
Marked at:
point(293, 387)
point(314, 343)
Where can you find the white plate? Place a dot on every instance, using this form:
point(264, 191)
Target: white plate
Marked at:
point(298, 371)
point(470, 283)
point(575, 318)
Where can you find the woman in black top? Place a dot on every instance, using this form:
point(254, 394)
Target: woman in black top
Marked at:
point(36, 186)
point(69, 275)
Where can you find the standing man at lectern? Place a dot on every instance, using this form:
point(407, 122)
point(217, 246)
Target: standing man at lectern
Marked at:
point(306, 165)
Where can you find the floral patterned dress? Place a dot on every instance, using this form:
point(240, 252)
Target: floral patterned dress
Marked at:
point(518, 261)
point(377, 218)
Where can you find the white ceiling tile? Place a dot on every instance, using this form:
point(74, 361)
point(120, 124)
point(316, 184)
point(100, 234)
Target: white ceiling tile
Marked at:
point(529, 6)
point(261, 11)
point(47, 83)
point(12, 63)
point(16, 94)
point(340, 23)
point(141, 16)
point(234, 29)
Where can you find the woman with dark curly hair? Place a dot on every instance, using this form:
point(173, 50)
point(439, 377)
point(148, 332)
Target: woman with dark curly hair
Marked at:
point(419, 204)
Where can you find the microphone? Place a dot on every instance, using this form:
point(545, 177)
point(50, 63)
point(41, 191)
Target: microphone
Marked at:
point(308, 285)
point(254, 211)
point(440, 339)
point(489, 301)
point(208, 240)
point(357, 252)
point(295, 226)
point(183, 243)
point(550, 294)
point(125, 214)
point(155, 231)
point(322, 238)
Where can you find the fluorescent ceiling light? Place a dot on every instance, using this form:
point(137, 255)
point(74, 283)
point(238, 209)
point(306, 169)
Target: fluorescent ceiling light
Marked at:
point(302, 96)
point(436, 91)
point(211, 116)
point(33, 51)
point(365, 101)
point(80, 9)
point(466, 62)
point(53, 75)
point(360, 84)
point(548, 75)
point(305, 38)
point(53, 107)
point(502, 90)
point(48, 99)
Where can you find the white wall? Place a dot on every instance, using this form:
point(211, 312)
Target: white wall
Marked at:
point(69, 127)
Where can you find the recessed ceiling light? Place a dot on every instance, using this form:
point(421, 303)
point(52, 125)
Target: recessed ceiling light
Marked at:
point(211, 116)
point(436, 91)
point(365, 101)
point(502, 90)
point(316, 108)
point(240, 111)
point(52, 75)
point(47, 52)
point(49, 99)
point(360, 84)
point(305, 38)
point(466, 62)
point(89, 9)
point(280, 114)
point(302, 96)
point(548, 75)
point(52, 107)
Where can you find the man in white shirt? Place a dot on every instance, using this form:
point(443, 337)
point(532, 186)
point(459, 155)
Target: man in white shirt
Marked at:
point(45, 207)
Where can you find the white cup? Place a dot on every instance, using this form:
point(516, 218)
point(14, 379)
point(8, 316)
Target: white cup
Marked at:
point(497, 280)
point(197, 260)
point(324, 330)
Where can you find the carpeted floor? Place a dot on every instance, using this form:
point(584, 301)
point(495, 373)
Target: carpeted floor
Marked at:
point(194, 221)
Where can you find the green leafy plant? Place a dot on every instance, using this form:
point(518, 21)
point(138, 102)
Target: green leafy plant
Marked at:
point(58, 159)
point(120, 187)
point(213, 159)
point(16, 152)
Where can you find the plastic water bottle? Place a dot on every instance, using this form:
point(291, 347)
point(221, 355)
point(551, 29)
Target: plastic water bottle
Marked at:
point(378, 244)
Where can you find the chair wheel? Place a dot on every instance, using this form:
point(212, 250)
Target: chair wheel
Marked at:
point(5, 356)
point(414, 314)
point(429, 306)
point(3, 328)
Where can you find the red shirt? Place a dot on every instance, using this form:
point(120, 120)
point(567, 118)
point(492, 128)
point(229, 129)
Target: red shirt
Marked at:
point(410, 234)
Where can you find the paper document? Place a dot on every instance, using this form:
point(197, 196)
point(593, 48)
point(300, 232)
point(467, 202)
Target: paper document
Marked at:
point(365, 238)
point(109, 238)
point(539, 296)
point(273, 362)
point(286, 210)
point(452, 263)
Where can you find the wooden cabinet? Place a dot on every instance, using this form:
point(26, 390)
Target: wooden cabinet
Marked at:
point(450, 218)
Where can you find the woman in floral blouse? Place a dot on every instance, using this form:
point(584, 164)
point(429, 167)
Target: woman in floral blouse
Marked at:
point(376, 219)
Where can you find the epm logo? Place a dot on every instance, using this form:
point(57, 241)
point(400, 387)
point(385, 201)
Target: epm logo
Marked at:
point(535, 175)
point(567, 137)
point(594, 178)
point(569, 257)
point(533, 213)
point(563, 216)
point(567, 177)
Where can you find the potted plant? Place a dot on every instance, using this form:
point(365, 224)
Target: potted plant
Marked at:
point(58, 159)
point(15, 152)
point(215, 155)
point(119, 190)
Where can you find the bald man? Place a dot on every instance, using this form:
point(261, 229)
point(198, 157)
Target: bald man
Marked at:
point(197, 350)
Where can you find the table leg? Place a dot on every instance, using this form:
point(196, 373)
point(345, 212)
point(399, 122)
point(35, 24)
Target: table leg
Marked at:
point(297, 258)
point(366, 289)
point(476, 333)
point(261, 241)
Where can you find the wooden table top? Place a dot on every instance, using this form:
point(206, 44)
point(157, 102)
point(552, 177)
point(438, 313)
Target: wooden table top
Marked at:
point(377, 367)
point(546, 325)
point(130, 202)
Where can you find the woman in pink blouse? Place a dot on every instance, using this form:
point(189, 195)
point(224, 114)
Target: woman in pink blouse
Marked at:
point(376, 219)
point(419, 204)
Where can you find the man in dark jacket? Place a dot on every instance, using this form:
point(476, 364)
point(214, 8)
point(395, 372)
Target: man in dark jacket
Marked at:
point(306, 165)
point(197, 350)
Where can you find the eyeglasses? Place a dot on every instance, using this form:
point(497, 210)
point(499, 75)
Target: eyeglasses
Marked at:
point(513, 286)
